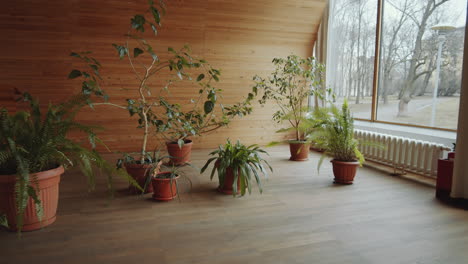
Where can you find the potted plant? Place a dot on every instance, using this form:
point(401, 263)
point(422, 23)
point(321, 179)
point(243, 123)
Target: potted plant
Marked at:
point(292, 82)
point(177, 126)
point(141, 172)
point(152, 104)
point(35, 151)
point(335, 135)
point(238, 166)
point(165, 183)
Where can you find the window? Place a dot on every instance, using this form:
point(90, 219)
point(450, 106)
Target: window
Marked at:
point(351, 51)
point(421, 53)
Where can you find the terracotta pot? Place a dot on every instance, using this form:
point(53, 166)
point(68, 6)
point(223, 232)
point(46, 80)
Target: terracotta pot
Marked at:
point(139, 172)
point(179, 156)
point(299, 151)
point(164, 189)
point(228, 181)
point(344, 171)
point(48, 193)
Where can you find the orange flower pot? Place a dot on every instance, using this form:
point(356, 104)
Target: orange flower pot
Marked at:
point(179, 156)
point(344, 171)
point(48, 192)
point(139, 172)
point(228, 181)
point(299, 151)
point(164, 189)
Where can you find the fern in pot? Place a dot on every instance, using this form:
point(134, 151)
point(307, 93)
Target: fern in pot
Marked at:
point(34, 151)
point(334, 133)
point(238, 167)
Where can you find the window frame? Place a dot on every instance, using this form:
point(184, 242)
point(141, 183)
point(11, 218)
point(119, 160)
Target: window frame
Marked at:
point(376, 78)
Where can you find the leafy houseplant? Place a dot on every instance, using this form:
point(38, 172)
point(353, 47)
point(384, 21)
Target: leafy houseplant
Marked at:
point(165, 184)
point(237, 166)
point(335, 134)
point(152, 105)
point(289, 86)
point(34, 150)
point(141, 172)
point(178, 124)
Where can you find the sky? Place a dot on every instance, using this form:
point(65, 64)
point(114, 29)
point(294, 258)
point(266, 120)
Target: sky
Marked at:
point(455, 8)
point(459, 8)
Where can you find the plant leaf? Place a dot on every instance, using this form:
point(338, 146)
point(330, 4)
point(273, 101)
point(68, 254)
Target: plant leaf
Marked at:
point(137, 51)
point(180, 142)
point(156, 15)
point(208, 107)
point(138, 22)
point(74, 74)
point(200, 77)
point(122, 50)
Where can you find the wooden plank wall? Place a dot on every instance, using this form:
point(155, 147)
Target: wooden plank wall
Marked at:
point(238, 36)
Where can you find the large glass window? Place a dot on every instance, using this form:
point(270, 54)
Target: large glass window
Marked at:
point(420, 63)
point(421, 56)
point(351, 51)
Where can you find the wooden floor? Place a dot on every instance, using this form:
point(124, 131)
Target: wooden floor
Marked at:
point(300, 218)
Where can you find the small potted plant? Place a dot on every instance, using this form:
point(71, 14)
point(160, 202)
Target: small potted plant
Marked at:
point(238, 166)
point(335, 135)
point(164, 182)
point(294, 80)
point(141, 172)
point(35, 151)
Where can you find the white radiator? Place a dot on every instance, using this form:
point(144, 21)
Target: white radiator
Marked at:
point(401, 153)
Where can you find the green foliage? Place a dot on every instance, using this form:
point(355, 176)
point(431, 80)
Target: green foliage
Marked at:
point(91, 76)
point(335, 134)
point(202, 115)
point(291, 83)
point(154, 159)
point(32, 142)
point(172, 173)
point(245, 163)
point(3, 220)
point(149, 158)
point(173, 122)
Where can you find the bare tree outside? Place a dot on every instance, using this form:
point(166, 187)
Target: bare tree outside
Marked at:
point(408, 58)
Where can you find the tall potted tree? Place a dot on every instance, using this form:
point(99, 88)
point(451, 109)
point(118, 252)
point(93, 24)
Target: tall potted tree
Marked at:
point(153, 104)
point(292, 82)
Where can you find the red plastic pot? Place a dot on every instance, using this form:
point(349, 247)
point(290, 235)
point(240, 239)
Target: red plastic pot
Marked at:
point(139, 172)
point(344, 171)
point(164, 189)
point(299, 151)
point(228, 181)
point(179, 156)
point(48, 192)
point(444, 178)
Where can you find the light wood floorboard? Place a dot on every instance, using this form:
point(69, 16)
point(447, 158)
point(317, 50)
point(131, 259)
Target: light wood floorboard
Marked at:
point(301, 217)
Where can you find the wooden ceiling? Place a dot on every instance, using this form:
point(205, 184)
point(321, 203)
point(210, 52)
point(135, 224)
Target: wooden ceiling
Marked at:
point(240, 37)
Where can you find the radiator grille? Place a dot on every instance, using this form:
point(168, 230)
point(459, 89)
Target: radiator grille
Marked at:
point(403, 154)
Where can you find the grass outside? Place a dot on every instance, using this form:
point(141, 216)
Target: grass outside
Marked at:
point(419, 111)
